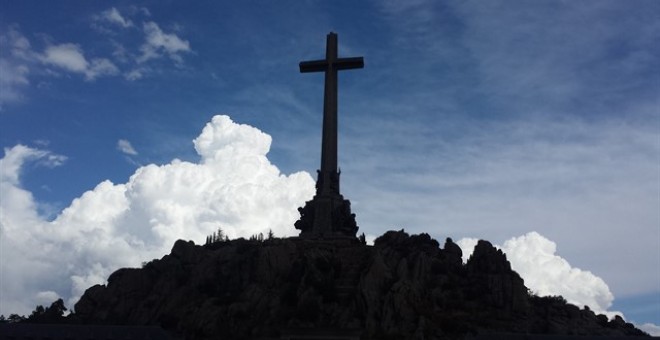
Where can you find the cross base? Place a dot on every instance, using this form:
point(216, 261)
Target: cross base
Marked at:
point(327, 216)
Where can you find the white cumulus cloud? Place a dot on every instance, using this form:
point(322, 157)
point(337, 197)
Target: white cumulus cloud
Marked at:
point(545, 273)
point(534, 257)
point(15, 157)
point(652, 329)
point(234, 187)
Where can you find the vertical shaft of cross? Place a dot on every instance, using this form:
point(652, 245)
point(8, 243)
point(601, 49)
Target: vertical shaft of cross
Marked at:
point(328, 181)
point(329, 148)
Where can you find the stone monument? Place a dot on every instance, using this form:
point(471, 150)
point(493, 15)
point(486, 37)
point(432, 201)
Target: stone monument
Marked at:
point(328, 214)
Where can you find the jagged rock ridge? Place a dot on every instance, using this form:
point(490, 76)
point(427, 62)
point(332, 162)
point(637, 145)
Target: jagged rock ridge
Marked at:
point(402, 287)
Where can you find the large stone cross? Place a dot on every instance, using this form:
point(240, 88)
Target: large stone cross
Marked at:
point(328, 213)
point(330, 65)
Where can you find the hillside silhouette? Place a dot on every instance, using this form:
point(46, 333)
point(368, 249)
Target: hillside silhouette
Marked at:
point(402, 287)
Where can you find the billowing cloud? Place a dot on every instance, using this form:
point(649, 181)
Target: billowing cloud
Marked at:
point(158, 42)
point(70, 57)
point(15, 157)
point(125, 146)
point(23, 234)
point(534, 257)
point(545, 273)
point(467, 244)
point(233, 186)
point(650, 328)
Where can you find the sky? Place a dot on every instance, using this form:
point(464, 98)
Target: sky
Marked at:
point(532, 124)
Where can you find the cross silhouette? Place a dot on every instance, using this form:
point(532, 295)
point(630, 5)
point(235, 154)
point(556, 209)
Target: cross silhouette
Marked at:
point(330, 65)
point(328, 214)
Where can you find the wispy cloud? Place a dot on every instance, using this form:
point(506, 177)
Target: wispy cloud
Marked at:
point(24, 61)
point(14, 79)
point(14, 66)
point(158, 43)
point(17, 43)
point(136, 74)
point(572, 180)
point(67, 56)
point(112, 15)
point(527, 58)
point(16, 156)
point(562, 56)
point(125, 146)
point(70, 57)
point(112, 22)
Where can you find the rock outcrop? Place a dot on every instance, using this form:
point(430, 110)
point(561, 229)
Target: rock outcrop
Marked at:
point(402, 287)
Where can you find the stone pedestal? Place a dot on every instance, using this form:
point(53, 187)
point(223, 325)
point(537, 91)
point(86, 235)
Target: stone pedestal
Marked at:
point(327, 216)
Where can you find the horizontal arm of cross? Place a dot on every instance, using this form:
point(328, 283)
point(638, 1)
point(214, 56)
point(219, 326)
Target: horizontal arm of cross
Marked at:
point(349, 63)
point(339, 64)
point(313, 66)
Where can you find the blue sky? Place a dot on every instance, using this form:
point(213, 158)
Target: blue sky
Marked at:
point(470, 120)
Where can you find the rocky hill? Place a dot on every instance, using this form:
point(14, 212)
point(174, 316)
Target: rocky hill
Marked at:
point(402, 287)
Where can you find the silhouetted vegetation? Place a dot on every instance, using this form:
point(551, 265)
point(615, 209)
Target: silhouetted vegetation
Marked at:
point(51, 315)
point(219, 237)
point(12, 318)
point(261, 238)
point(548, 300)
point(216, 237)
point(257, 237)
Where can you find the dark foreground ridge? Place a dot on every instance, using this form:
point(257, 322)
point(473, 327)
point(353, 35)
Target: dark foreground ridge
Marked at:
point(402, 287)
